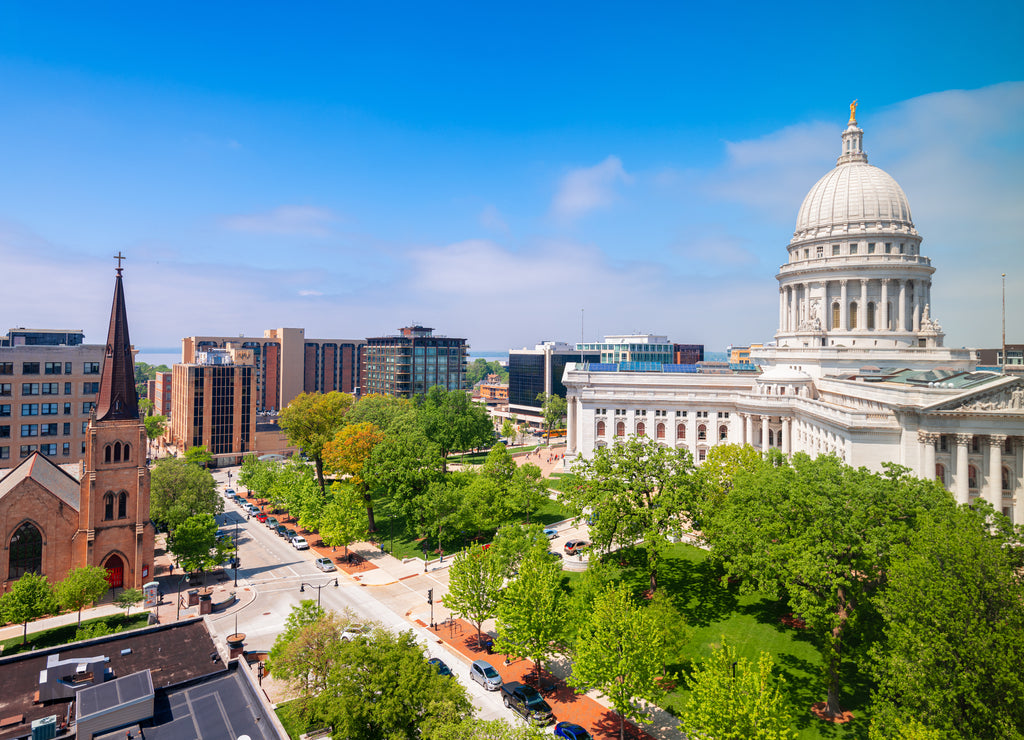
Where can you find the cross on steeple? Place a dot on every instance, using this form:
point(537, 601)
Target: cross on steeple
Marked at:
point(119, 257)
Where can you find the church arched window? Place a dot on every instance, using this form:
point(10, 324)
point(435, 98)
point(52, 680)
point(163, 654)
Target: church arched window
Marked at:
point(853, 315)
point(107, 453)
point(117, 452)
point(871, 316)
point(681, 431)
point(127, 451)
point(641, 429)
point(600, 429)
point(122, 505)
point(26, 551)
point(835, 315)
point(108, 506)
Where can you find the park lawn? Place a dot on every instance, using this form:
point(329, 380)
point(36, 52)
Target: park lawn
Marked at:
point(752, 623)
point(66, 633)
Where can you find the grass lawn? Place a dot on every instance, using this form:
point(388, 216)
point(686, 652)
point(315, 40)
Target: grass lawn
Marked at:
point(64, 635)
point(752, 623)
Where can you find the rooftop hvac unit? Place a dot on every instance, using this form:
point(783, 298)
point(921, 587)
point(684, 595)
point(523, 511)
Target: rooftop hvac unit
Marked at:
point(45, 728)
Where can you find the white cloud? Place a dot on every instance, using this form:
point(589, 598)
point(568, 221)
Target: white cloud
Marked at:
point(589, 188)
point(313, 293)
point(289, 220)
point(491, 218)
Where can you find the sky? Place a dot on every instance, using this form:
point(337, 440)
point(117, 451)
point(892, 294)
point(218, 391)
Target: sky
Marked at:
point(506, 173)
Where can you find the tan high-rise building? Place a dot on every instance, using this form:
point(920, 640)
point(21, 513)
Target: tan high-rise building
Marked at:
point(288, 363)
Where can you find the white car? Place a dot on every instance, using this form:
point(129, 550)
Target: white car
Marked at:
point(299, 543)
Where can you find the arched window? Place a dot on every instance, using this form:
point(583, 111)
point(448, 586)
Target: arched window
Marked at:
point(661, 431)
point(600, 429)
point(723, 433)
point(106, 453)
point(853, 315)
point(26, 551)
point(972, 477)
point(702, 432)
point(108, 506)
point(871, 316)
point(1006, 479)
point(641, 429)
point(127, 451)
point(122, 505)
point(1008, 446)
point(835, 315)
point(117, 452)
point(681, 431)
point(975, 444)
point(940, 473)
point(771, 438)
point(620, 429)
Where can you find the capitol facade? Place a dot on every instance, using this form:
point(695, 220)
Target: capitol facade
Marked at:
point(858, 367)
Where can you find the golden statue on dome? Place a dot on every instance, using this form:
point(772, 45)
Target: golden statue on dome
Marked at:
point(853, 112)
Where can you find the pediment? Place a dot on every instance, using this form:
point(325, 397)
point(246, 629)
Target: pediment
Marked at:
point(1006, 397)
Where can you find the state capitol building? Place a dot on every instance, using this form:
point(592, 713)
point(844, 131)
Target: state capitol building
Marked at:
point(858, 367)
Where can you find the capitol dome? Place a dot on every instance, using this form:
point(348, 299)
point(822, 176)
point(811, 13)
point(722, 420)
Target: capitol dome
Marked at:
point(854, 196)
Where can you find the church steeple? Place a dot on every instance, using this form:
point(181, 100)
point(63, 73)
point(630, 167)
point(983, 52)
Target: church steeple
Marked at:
point(117, 397)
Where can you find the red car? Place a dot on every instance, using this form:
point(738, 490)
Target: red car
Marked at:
point(261, 518)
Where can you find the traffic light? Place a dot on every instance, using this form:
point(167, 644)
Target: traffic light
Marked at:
point(430, 596)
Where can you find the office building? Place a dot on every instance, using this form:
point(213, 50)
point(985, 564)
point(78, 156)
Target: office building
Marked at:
point(161, 394)
point(407, 364)
point(539, 370)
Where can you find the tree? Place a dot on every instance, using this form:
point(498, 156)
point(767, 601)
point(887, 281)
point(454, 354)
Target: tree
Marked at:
point(619, 653)
point(474, 587)
point(81, 587)
point(198, 455)
point(129, 598)
point(195, 544)
point(499, 465)
point(515, 542)
point(305, 613)
point(384, 412)
point(732, 699)
point(530, 614)
point(480, 729)
point(479, 369)
point(30, 597)
point(508, 429)
point(383, 687)
point(552, 408)
point(636, 492)
point(155, 425)
point(953, 610)
point(311, 420)
point(343, 520)
point(179, 490)
point(528, 489)
point(452, 421)
point(402, 467)
point(821, 533)
point(348, 452)
point(715, 475)
point(145, 406)
point(304, 660)
point(485, 504)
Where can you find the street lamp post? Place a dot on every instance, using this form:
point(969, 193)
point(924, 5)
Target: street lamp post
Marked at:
point(302, 589)
point(229, 479)
point(236, 555)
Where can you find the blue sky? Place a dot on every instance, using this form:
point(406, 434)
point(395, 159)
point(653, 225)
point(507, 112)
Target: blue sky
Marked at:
point(489, 171)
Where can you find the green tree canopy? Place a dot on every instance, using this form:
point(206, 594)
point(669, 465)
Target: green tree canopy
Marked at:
point(479, 369)
point(30, 597)
point(304, 659)
point(714, 477)
point(129, 598)
point(311, 420)
point(178, 490)
point(384, 412)
point(634, 491)
point(474, 586)
point(452, 421)
point(619, 652)
point(81, 587)
point(198, 455)
point(195, 544)
point(530, 615)
point(402, 467)
point(953, 609)
point(732, 699)
point(343, 520)
point(821, 533)
point(155, 425)
point(552, 408)
point(348, 453)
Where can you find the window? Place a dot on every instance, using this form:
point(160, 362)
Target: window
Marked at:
point(30, 389)
point(5, 389)
point(67, 409)
point(67, 389)
point(91, 368)
point(702, 432)
point(1006, 480)
point(6, 368)
point(122, 505)
point(871, 247)
point(67, 429)
point(702, 455)
point(5, 409)
point(681, 414)
point(26, 551)
point(30, 368)
point(723, 433)
point(835, 314)
point(66, 449)
point(108, 506)
point(53, 368)
point(871, 315)
point(50, 449)
point(90, 388)
point(5, 431)
point(1008, 443)
point(26, 450)
point(88, 406)
point(681, 431)
point(835, 250)
point(620, 429)
point(5, 453)
point(660, 431)
point(641, 429)
point(600, 429)
point(51, 389)
point(853, 249)
point(48, 409)
point(901, 249)
point(47, 430)
point(30, 409)
point(819, 251)
point(888, 248)
point(29, 430)
point(85, 426)
point(67, 368)
point(940, 473)
point(972, 477)
point(853, 315)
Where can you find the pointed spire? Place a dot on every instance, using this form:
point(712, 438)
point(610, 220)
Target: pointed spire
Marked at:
point(117, 398)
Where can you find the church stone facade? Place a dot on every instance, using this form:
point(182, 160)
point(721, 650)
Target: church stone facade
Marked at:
point(858, 367)
point(54, 518)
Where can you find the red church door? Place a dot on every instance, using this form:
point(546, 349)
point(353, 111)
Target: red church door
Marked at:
point(115, 571)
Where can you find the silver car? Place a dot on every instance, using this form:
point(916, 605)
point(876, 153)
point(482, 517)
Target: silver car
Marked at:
point(484, 674)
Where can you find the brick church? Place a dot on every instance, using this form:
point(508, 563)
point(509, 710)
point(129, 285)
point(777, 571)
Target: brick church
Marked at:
point(54, 518)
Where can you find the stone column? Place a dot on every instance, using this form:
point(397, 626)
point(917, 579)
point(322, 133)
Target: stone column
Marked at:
point(960, 481)
point(787, 430)
point(884, 306)
point(782, 309)
point(903, 305)
point(571, 424)
point(748, 429)
point(916, 310)
point(862, 307)
point(844, 308)
point(794, 303)
point(764, 432)
point(1018, 486)
point(994, 484)
point(928, 440)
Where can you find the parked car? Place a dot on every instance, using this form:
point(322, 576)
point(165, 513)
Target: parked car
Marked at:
point(356, 630)
point(299, 543)
point(283, 531)
point(576, 547)
point(325, 564)
point(272, 522)
point(551, 533)
point(289, 534)
point(484, 674)
point(441, 666)
point(571, 731)
point(527, 702)
point(554, 555)
point(229, 492)
point(261, 517)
